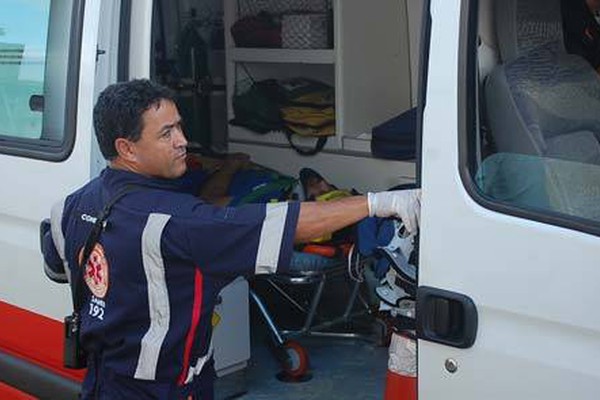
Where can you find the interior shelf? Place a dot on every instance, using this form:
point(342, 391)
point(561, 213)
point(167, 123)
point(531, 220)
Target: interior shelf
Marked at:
point(359, 145)
point(299, 56)
point(276, 138)
point(368, 68)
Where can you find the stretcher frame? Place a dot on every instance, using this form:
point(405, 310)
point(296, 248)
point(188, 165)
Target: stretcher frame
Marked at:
point(309, 327)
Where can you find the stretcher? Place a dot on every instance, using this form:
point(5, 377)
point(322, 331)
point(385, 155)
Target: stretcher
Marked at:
point(291, 355)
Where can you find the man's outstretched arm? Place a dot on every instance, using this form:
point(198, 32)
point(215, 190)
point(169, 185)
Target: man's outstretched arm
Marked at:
point(319, 218)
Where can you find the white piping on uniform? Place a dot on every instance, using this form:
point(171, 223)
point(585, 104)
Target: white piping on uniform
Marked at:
point(158, 297)
point(196, 369)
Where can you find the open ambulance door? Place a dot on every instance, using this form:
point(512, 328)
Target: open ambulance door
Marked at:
point(53, 54)
point(508, 275)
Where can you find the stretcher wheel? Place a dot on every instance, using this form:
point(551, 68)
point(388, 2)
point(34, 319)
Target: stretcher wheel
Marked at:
point(295, 365)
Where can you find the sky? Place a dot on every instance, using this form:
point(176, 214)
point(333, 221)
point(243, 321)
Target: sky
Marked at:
point(26, 22)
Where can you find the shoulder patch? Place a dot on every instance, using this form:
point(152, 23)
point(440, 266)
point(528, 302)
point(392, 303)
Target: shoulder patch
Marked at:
point(96, 271)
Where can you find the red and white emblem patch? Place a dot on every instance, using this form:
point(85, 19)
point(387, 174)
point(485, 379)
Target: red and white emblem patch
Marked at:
point(96, 271)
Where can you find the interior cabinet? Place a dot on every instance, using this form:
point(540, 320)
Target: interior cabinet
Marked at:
point(369, 67)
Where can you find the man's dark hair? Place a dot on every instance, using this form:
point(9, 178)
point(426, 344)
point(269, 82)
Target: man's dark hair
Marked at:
point(118, 111)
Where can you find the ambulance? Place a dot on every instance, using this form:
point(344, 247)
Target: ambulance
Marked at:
point(507, 130)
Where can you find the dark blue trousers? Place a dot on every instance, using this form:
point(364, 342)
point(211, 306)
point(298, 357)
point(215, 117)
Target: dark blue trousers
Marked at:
point(103, 384)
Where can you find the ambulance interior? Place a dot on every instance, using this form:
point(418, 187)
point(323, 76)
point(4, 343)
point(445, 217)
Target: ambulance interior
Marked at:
point(530, 144)
point(365, 60)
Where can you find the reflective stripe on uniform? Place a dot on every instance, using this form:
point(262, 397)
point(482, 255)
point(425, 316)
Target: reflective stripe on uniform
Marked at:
point(271, 235)
point(56, 216)
point(158, 297)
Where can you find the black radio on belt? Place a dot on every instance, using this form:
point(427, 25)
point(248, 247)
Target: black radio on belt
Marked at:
point(74, 355)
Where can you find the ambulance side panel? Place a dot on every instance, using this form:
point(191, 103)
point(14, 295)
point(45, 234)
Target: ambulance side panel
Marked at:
point(46, 150)
point(534, 282)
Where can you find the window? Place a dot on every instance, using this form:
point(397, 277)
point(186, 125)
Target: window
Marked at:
point(38, 73)
point(531, 115)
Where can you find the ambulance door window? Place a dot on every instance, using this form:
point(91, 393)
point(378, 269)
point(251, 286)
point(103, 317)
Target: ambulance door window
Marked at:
point(39, 64)
point(530, 117)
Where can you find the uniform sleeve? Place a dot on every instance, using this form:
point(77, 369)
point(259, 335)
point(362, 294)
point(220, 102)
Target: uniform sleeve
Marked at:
point(247, 240)
point(53, 264)
point(53, 247)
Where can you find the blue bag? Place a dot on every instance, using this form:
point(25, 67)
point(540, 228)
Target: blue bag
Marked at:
point(396, 139)
point(374, 232)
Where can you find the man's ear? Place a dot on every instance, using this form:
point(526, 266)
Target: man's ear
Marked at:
point(125, 149)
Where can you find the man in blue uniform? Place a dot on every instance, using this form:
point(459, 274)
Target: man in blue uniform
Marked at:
point(163, 255)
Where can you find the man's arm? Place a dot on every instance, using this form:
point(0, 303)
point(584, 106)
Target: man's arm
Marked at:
point(319, 218)
point(53, 263)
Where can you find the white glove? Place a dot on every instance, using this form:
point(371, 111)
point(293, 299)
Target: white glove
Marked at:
point(403, 204)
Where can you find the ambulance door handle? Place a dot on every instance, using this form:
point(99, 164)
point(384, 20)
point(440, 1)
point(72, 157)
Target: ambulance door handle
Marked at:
point(446, 317)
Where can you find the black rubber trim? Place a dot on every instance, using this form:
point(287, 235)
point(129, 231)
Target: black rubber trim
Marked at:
point(35, 380)
point(422, 86)
point(467, 131)
point(53, 151)
point(467, 82)
point(124, 41)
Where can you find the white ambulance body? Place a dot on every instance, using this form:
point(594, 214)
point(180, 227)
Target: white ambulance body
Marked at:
point(508, 271)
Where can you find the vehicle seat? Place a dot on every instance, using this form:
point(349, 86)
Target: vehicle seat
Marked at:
point(540, 100)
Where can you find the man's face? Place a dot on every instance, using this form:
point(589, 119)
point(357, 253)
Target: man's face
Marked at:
point(161, 150)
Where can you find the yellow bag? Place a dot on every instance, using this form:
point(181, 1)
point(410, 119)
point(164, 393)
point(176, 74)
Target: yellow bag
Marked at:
point(333, 195)
point(308, 112)
point(318, 98)
point(314, 117)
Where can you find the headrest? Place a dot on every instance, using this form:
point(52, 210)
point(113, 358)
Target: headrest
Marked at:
point(523, 25)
